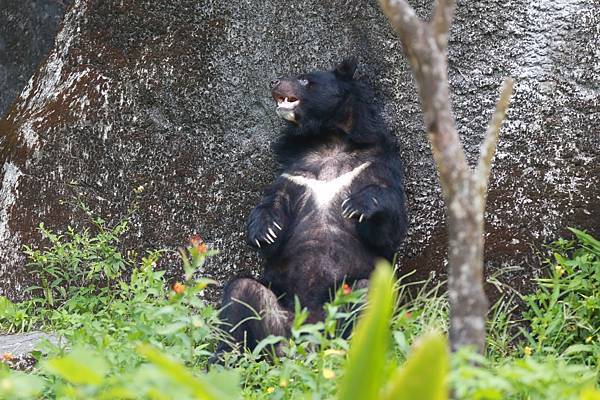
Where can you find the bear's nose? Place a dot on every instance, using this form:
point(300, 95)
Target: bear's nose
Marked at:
point(275, 83)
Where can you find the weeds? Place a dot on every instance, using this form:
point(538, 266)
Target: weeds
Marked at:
point(565, 310)
point(132, 336)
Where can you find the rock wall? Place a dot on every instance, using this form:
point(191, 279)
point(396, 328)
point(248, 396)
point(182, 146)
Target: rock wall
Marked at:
point(173, 96)
point(27, 31)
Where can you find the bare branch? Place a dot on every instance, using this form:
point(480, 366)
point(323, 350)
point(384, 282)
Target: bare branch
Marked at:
point(402, 18)
point(429, 67)
point(463, 189)
point(488, 148)
point(441, 22)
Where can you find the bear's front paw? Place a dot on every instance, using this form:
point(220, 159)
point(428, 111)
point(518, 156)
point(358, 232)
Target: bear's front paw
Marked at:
point(362, 206)
point(263, 227)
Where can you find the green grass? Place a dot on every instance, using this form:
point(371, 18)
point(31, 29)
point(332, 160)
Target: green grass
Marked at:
point(132, 336)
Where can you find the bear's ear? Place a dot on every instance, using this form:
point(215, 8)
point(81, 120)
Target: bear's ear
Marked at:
point(345, 70)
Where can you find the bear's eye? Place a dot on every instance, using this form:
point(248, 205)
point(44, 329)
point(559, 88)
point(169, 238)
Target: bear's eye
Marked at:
point(303, 81)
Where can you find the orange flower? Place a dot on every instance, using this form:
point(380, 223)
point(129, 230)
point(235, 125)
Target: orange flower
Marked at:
point(407, 314)
point(346, 289)
point(7, 357)
point(197, 242)
point(178, 287)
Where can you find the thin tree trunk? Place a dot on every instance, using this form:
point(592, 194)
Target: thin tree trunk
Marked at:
point(464, 190)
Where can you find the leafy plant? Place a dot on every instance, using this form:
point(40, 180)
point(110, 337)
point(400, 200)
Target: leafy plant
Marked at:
point(423, 376)
point(134, 336)
point(564, 312)
point(77, 263)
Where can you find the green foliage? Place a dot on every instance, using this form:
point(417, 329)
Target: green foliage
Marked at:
point(474, 377)
point(77, 264)
point(564, 312)
point(424, 375)
point(18, 385)
point(364, 373)
point(132, 336)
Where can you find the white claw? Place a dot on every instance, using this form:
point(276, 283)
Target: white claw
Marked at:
point(277, 225)
point(272, 233)
point(345, 201)
point(352, 214)
point(257, 243)
point(375, 201)
point(361, 217)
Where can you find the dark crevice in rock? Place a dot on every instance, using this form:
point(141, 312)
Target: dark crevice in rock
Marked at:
point(27, 32)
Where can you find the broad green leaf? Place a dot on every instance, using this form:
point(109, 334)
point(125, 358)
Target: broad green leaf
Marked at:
point(425, 373)
point(80, 367)
point(170, 329)
point(201, 387)
point(366, 359)
point(118, 393)
point(578, 348)
point(586, 238)
point(18, 385)
point(590, 394)
point(270, 340)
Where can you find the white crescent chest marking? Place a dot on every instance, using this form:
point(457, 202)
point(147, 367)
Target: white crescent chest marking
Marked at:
point(324, 192)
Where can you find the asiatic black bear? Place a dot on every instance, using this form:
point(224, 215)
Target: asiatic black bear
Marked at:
point(337, 205)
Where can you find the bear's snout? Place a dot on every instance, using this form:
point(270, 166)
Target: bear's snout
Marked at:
point(285, 94)
point(282, 88)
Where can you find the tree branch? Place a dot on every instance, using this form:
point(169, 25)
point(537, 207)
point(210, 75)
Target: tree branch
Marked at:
point(402, 17)
point(463, 189)
point(442, 20)
point(488, 148)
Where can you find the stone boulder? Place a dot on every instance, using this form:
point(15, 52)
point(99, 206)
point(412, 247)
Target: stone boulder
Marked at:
point(173, 96)
point(27, 31)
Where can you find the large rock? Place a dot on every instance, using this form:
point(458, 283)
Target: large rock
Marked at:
point(173, 96)
point(27, 31)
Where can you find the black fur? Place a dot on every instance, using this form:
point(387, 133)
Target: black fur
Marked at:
point(335, 129)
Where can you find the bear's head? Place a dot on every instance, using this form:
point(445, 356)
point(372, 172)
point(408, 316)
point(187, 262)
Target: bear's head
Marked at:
point(319, 102)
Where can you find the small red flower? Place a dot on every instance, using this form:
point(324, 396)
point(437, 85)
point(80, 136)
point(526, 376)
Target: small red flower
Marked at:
point(346, 289)
point(407, 314)
point(196, 240)
point(178, 287)
point(197, 243)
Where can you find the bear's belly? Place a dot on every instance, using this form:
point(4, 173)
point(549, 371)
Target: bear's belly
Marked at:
point(322, 248)
point(311, 268)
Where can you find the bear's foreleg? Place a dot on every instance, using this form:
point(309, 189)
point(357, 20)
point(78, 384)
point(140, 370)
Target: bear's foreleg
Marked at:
point(267, 222)
point(380, 217)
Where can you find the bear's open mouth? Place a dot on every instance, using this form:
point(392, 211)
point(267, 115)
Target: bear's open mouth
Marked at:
point(287, 103)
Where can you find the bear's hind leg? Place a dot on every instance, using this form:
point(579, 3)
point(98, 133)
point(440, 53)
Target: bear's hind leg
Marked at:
point(251, 312)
